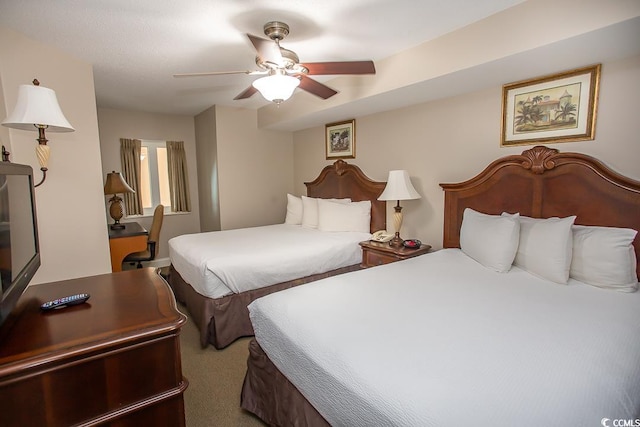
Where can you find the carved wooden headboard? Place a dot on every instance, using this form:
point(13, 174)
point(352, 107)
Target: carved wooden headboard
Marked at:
point(541, 183)
point(341, 180)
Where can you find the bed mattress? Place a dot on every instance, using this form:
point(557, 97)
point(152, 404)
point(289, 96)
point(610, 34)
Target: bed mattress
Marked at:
point(221, 263)
point(440, 340)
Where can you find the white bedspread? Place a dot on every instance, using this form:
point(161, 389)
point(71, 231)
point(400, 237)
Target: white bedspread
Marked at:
point(439, 340)
point(232, 261)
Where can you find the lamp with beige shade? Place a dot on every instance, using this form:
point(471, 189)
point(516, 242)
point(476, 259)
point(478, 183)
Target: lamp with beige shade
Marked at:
point(398, 188)
point(116, 185)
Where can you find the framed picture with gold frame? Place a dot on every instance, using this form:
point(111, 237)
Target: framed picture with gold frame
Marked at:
point(340, 140)
point(556, 108)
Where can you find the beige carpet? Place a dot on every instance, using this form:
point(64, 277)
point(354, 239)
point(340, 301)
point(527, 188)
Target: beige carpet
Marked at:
point(215, 380)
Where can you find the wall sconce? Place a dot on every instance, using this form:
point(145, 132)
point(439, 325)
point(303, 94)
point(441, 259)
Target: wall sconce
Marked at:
point(398, 188)
point(116, 184)
point(37, 108)
point(277, 86)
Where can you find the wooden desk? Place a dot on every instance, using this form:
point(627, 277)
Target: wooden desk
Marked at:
point(114, 360)
point(125, 241)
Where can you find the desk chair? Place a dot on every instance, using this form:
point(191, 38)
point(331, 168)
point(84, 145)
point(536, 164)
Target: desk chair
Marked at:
point(152, 242)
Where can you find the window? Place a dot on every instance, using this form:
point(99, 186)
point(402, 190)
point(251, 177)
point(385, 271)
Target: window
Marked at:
point(154, 176)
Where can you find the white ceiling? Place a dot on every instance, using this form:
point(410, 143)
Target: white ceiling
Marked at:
point(136, 46)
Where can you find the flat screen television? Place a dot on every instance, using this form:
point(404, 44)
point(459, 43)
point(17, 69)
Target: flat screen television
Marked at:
point(19, 248)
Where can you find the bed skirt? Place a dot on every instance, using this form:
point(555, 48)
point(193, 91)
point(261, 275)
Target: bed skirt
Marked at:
point(221, 321)
point(269, 395)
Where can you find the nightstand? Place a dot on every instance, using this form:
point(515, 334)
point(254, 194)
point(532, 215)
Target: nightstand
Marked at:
point(375, 253)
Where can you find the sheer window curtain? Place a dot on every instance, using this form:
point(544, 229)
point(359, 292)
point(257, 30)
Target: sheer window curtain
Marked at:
point(178, 177)
point(130, 150)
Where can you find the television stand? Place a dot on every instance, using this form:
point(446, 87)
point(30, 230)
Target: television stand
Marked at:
point(114, 360)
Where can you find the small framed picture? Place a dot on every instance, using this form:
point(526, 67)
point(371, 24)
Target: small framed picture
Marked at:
point(341, 140)
point(557, 108)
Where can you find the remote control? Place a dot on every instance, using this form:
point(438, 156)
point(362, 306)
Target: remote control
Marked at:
point(65, 302)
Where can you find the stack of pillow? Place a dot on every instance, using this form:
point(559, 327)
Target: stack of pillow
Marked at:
point(552, 248)
point(329, 214)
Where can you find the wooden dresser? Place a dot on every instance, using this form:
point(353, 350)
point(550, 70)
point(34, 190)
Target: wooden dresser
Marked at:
point(114, 360)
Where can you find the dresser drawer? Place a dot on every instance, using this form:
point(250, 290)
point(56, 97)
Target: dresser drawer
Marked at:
point(376, 253)
point(371, 259)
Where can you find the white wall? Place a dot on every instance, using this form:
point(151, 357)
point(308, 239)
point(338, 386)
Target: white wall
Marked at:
point(70, 204)
point(116, 124)
point(255, 170)
point(206, 150)
point(534, 37)
point(453, 139)
point(445, 140)
point(239, 175)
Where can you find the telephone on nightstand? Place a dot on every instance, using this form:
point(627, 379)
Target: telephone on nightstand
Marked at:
point(382, 236)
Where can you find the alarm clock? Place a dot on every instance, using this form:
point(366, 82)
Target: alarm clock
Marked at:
point(412, 243)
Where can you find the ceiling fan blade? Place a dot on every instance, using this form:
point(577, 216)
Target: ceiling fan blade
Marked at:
point(247, 93)
point(268, 50)
point(315, 87)
point(347, 67)
point(218, 73)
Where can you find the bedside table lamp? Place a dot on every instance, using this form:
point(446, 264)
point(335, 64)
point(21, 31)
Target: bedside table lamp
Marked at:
point(398, 188)
point(116, 184)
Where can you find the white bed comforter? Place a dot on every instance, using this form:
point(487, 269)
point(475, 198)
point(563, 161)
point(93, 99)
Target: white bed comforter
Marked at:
point(439, 340)
point(232, 261)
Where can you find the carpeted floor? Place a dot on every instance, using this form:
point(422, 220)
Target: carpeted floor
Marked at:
point(215, 380)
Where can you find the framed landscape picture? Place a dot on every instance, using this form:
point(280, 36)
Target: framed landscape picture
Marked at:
point(340, 140)
point(557, 108)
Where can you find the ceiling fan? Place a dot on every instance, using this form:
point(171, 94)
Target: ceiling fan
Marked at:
point(284, 71)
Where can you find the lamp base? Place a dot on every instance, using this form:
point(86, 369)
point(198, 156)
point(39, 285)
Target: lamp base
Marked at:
point(397, 241)
point(116, 211)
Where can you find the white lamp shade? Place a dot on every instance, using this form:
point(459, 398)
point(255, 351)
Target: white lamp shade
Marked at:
point(37, 105)
point(276, 88)
point(399, 187)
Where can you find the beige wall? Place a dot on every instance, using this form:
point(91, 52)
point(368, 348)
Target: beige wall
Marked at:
point(4, 131)
point(446, 140)
point(453, 139)
point(70, 204)
point(116, 124)
point(542, 34)
point(255, 170)
point(206, 150)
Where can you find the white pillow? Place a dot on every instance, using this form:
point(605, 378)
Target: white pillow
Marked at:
point(354, 216)
point(492, 240)
point(604, 257)
point(294, 210)
point(310, 210)
point(545, 247)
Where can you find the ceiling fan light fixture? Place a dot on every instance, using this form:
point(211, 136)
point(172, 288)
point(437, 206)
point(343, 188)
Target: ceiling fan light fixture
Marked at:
point(285, 72)
point(277, 87)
